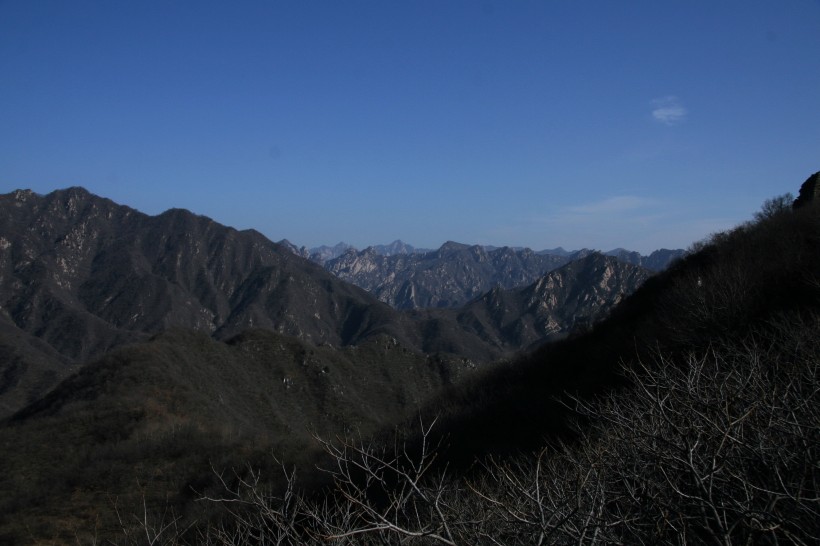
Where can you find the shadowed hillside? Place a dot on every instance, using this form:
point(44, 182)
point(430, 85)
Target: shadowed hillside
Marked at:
point(730, 286)
point(689, 415)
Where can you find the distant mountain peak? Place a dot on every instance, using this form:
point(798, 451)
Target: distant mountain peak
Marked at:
point(452, 245)
point(396, 247)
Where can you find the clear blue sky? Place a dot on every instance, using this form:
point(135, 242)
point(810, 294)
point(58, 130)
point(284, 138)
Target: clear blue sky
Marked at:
point(641, 124)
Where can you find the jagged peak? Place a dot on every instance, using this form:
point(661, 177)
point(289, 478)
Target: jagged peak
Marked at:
point(23, 194)
point(74, 191)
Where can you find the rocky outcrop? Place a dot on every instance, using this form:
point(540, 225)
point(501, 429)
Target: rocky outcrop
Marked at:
point(809, 191)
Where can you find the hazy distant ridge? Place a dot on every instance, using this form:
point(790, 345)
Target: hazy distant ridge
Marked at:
point(410, 278)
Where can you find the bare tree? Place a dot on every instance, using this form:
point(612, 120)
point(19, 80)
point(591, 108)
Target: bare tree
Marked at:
point(720, 446)
point(774, 206)
point(256, 515)
point(149, 527)
point(389, 493)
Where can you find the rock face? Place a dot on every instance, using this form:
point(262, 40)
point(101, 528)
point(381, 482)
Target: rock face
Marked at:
point(809, 191)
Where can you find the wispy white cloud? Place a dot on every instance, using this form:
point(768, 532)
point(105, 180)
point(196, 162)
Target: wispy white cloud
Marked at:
point(668, 110)
point(612, 205)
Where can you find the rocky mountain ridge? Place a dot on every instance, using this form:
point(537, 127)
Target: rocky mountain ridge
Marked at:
point(81, 275)
point(457, 273)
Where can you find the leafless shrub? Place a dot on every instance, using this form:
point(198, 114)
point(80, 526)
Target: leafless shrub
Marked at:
point(256, 515)
point(716, 447)
point(149, 527)
point(388, 495)
point(720, 449)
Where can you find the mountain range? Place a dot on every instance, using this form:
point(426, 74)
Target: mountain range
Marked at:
point(159, 331)
point(81, 275)
point(148, 361)
point(457, 273)
point(409, 278)
point(655, 261)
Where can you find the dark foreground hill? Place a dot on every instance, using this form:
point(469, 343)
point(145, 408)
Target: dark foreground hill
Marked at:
point(690, 415)
point(736, 286)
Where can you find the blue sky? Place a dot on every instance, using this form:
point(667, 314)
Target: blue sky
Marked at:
point(641, 124)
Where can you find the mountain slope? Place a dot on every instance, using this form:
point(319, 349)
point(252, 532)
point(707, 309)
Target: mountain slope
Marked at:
point(689, 415)
point(156, 413)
